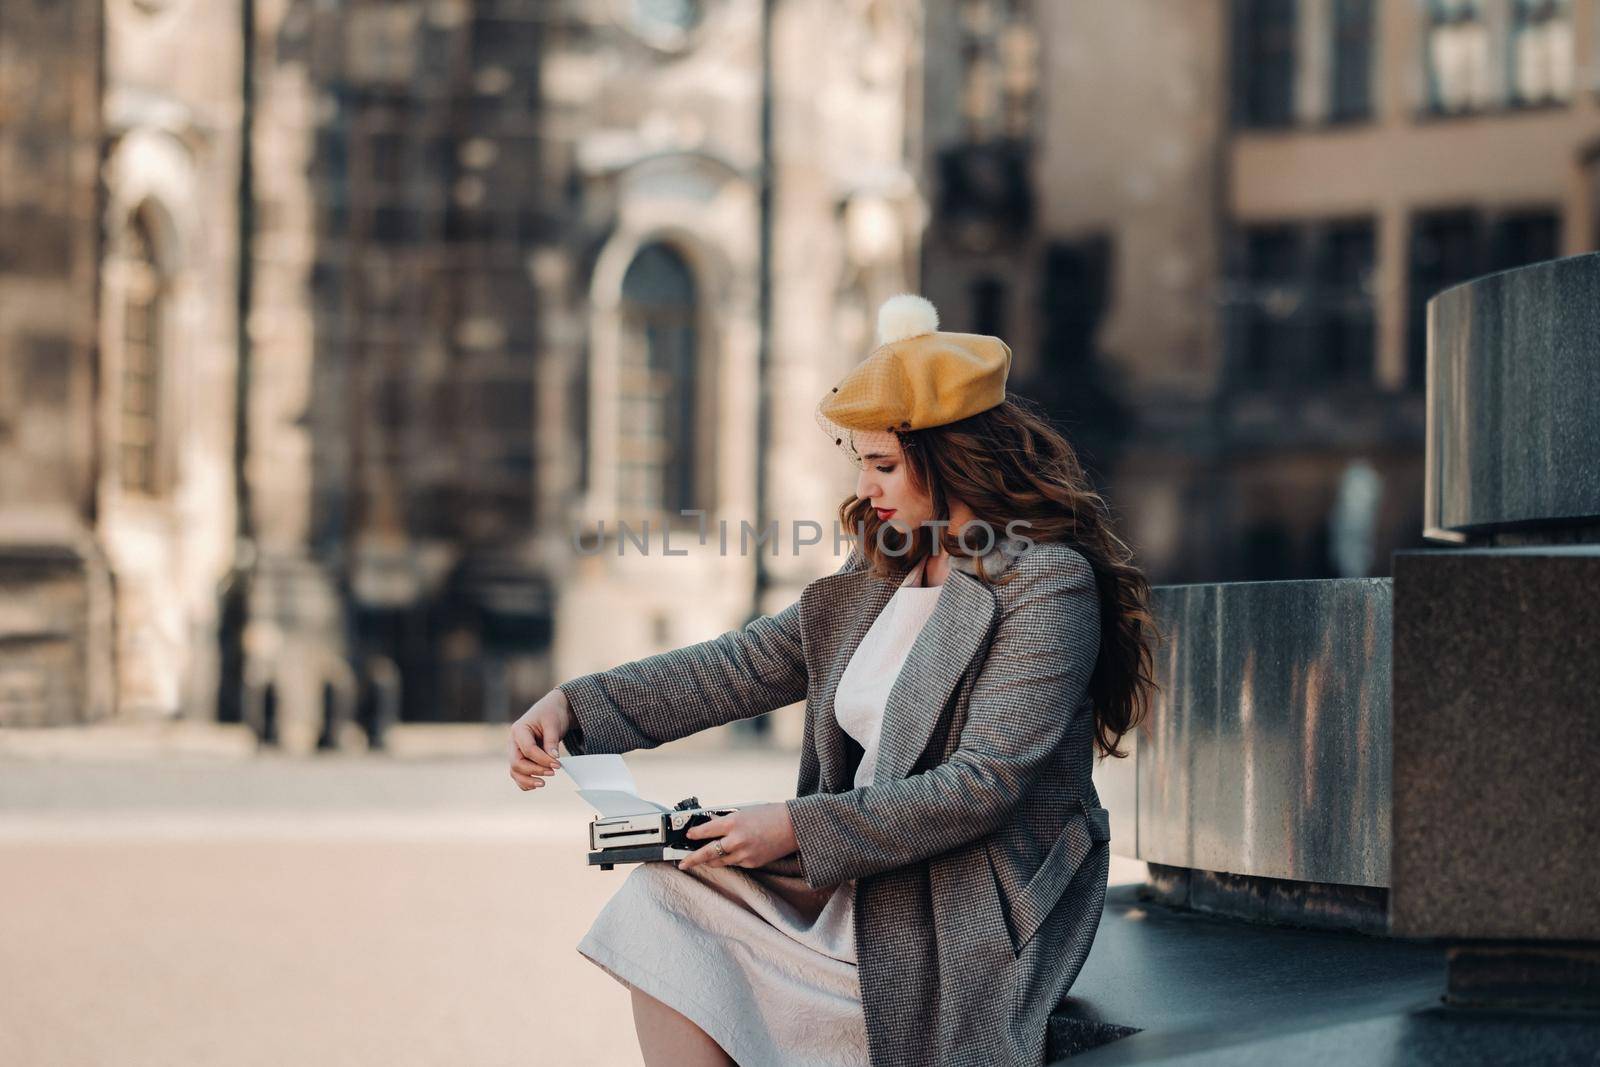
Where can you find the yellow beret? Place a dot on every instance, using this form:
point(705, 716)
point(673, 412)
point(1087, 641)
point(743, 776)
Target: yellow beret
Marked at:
point(917, 376)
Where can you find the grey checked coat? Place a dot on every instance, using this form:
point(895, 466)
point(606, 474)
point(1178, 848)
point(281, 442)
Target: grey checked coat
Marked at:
point(980, 850)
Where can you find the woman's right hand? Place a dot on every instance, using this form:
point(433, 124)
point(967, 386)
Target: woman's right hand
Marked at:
point(535, 739)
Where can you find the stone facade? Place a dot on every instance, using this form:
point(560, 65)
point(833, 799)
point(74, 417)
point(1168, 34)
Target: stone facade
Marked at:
point(55, 586)
point(399, 400)
point(392, 299)
point(167, 344)
point(662, 129)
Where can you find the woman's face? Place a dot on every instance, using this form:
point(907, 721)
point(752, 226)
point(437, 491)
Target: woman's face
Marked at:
point(886, 482)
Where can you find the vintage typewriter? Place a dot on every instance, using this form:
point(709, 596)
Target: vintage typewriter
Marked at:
point(651, 835)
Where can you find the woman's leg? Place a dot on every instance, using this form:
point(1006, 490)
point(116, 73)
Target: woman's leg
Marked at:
point(668, 1038)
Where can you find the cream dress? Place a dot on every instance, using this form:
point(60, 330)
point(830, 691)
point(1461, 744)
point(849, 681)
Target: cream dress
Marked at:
point(759, 960)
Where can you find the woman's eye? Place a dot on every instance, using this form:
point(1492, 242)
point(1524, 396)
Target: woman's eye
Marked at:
point(887, 470)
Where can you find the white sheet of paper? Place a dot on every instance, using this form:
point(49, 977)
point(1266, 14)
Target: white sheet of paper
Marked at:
point(605, 771)
point(607, 785)
point(618, 802)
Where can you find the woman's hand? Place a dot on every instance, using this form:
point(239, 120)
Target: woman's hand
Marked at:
point(751, 837)
point(535, 739)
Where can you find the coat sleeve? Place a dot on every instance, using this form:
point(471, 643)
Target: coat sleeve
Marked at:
point(1020, 709)
point(736, 675)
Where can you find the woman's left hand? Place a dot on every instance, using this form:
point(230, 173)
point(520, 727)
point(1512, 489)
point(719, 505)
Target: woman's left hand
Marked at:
point(750, 837)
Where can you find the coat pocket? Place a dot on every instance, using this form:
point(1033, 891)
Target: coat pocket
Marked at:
point(1028, 907)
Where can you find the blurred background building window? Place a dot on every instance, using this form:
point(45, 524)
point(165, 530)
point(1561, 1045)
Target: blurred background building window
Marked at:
point(1450, 246)
point(1306, 304)
point(1075, 292)
point(979, 77)
point(1541, 51)
point(1457, 56)
point(1264, 67)
point(1351, 91)
point(984, 186)
point(1000, 69)
point(1082, 387)
point(658, 385)
point(143, 355)
point(1346, 323)
point(1274, 297)
point(1018, 47)
point(988, 306)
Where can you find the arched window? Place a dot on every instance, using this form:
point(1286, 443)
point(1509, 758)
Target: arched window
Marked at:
point(657, 384)
point(143, 356)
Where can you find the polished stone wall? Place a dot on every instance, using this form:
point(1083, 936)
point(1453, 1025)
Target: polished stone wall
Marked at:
point(1513, 384)
point(1267, 749)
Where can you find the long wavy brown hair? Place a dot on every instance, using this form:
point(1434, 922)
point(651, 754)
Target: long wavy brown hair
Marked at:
point(1007, 464)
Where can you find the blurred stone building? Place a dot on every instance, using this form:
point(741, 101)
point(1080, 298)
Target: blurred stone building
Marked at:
point(1212, 229)
point(397, 406)
point(118, 193)
point(328, 325)
point(1072, 162)
point(55, 586)
point(715, 242)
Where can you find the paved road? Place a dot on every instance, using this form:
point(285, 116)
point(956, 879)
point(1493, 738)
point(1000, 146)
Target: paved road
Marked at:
point(348, 910)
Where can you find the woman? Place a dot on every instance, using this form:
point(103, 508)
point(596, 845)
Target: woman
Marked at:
point(933, 888)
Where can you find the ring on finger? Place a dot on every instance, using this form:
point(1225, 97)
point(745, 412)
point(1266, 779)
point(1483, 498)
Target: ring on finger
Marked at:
point(718, 846)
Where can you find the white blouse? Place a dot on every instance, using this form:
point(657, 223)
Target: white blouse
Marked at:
point(863, 692)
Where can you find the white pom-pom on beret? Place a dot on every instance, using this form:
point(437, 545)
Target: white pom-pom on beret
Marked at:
point(906, 315)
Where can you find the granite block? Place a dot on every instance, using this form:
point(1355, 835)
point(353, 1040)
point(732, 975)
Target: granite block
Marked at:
point(1496, 763)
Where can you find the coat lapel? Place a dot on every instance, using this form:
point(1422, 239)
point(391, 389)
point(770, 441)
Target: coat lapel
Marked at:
point(842, 609)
